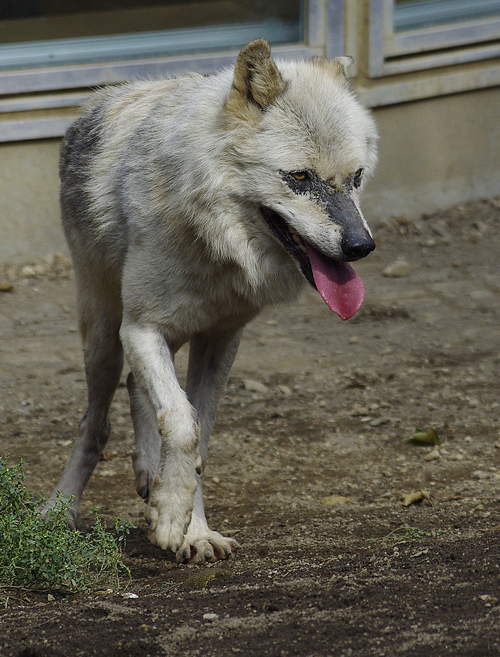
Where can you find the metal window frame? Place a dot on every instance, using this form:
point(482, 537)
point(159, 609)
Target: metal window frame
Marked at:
point(390, 52)
point(65, 87)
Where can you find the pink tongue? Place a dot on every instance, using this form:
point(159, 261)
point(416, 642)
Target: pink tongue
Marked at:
point(337, 282)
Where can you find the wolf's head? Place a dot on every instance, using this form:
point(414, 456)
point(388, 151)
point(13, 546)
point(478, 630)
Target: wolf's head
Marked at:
point(308, 146)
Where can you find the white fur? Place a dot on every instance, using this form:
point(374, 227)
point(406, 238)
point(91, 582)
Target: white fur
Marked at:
point(162, 183)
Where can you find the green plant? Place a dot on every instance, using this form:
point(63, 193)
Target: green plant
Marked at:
point(41, 552)
point(407, 533)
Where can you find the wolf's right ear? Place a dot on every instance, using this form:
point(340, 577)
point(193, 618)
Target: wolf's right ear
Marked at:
point(257, 81)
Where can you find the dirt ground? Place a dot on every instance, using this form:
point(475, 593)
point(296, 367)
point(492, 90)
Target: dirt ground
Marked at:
point(307, 472)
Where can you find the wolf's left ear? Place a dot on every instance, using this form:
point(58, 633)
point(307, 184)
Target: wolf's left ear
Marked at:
point(346, 62)
point(339, 66)
point(257, 80)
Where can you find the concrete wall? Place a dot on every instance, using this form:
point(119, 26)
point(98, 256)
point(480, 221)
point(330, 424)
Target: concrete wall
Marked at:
point(433, 153)
point(29, 213)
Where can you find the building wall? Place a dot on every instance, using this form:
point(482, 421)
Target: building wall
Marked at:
point(29, 213)
point(432, 153)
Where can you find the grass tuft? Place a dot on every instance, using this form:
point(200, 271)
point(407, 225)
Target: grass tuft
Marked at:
point(41, 552)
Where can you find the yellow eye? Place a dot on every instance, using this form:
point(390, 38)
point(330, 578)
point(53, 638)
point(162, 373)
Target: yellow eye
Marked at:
point(357, 177)
point(300, 175)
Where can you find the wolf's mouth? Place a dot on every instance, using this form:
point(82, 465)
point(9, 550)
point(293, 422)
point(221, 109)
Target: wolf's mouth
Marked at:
point(336, 281)
point(291, 240)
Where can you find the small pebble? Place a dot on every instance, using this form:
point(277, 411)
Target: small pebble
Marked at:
point(379, 421)
point(357, 410)
point(27, 271)
point(480, 474)
point(456, 457)
point(397, 269)
point(416, 496)
point(41, 269)
point(254, 386)
point(432, 456)
point(210, 617)
point(336, 500)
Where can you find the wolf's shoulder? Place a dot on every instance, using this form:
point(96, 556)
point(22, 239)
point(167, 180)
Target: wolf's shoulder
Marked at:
point(118, 109)
point(140, 96)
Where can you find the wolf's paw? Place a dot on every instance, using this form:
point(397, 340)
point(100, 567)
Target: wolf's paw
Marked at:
point(205, 545)
point(167, 529)
point(169, 515)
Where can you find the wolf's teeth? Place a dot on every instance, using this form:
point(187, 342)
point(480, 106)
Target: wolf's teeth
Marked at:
point(296, 238)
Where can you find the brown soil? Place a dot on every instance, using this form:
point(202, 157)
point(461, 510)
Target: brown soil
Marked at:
point(365, 577)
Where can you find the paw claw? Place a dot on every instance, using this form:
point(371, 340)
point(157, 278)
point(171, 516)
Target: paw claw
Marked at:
point(209, 546)
point(182, 556)
point(151, 536)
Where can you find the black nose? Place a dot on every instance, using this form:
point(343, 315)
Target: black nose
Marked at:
point(356, 246)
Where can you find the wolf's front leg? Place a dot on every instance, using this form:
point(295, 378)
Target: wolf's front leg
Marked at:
point(200, 543)
point(167, 435)
point(211, 356)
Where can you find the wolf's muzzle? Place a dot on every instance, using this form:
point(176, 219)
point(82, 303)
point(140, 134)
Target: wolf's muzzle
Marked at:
point(356, 240)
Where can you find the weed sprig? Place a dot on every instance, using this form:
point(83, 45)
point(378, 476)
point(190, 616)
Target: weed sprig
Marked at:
point(41, 552)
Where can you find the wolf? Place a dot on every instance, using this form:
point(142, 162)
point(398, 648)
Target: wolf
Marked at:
point(189, 204)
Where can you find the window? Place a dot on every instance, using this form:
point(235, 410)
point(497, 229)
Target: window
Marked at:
point(412, 35)
point(41, 33)
point(416, 14)
point(52, 51)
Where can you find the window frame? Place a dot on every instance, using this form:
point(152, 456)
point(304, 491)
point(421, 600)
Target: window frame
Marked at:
point(42, 102)
point(56, 91)
point(392, 53)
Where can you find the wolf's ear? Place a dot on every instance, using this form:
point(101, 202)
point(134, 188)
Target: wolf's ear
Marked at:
point(345, 62)
point(339, 66)
point(257, 80)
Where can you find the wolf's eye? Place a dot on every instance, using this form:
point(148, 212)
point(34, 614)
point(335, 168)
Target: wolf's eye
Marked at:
point(357, 177)
point(300, 175)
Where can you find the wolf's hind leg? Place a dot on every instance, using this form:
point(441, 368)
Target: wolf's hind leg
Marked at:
point(103, 366)
point(147, 454)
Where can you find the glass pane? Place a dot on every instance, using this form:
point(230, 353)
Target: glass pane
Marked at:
point(44, 32)
point(416, 14)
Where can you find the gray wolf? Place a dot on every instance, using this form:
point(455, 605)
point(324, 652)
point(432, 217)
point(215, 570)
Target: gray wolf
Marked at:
point(188, 205)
